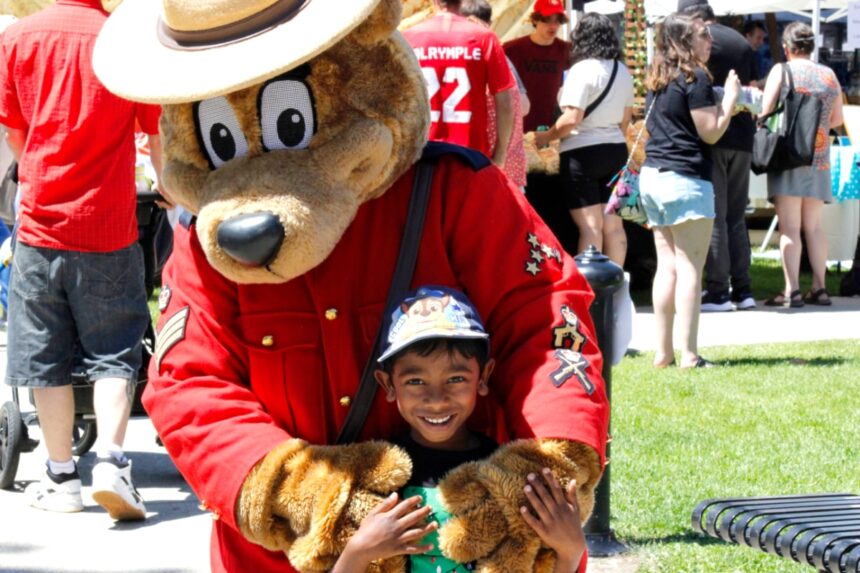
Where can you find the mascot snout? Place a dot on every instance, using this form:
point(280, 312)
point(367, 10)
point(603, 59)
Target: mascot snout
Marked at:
point(252, 240)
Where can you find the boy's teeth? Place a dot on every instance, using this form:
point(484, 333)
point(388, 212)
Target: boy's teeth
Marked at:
point(438, 420)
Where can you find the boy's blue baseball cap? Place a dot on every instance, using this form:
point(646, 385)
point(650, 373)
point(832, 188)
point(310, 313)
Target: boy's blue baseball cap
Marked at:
point(432, 312)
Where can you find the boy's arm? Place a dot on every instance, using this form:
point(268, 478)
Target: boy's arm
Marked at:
point(351, 561)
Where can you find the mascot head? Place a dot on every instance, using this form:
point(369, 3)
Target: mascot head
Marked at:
point(280, 117)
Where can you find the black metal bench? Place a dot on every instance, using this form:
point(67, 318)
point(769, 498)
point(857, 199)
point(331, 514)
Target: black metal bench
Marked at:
point(821, 530)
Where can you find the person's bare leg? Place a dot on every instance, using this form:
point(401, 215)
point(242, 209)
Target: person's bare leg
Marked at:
point(788, 209)
point(692, 239)
point(816, 240)
point(663, 295)
point(614, 238)
point(589, 221)
point(56, 410)
point(112, 405)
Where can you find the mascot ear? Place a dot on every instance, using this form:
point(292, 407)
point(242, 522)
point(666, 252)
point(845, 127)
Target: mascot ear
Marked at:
point(380, 25)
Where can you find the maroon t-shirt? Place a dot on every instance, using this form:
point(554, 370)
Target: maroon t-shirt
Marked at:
point(542, 70)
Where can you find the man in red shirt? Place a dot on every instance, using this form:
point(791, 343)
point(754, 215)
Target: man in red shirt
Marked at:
point(541, 60)
point(78, 294)
point(461, 61)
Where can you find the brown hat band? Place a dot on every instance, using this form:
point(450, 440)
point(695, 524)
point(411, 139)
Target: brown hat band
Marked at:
point(255, 24)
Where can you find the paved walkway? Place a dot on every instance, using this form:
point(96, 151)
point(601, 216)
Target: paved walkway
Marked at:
point(175, 536)
point(840, 321)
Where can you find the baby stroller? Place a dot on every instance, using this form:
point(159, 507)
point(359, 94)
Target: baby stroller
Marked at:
point(155, 238)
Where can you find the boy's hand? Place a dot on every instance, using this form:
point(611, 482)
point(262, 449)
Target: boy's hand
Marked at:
point(557, 521)
point(391, 529)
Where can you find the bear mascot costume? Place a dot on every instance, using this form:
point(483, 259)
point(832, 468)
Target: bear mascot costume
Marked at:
point(291, 133)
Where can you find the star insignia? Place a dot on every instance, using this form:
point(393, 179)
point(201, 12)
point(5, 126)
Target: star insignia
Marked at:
point(532, 268)
point(547, 250)
point(556, 254)
point(533, 240)
point(537, 256)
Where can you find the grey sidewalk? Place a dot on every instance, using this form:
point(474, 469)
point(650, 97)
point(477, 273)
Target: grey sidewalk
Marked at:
point(762, 325)
point(175, 537)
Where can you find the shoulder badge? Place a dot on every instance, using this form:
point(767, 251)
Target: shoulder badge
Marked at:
point(567, 334)
point(171, 333)
point(571, 363)
point(164, 298)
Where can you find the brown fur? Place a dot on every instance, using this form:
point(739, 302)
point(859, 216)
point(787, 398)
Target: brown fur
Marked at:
point(485, 498)
point(308, 500)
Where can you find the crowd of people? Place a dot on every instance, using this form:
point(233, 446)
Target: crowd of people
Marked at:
point(695, 179)
point(77, 293)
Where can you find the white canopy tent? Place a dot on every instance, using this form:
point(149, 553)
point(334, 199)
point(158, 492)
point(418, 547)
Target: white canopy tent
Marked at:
point(657, 8)
point(806, 8)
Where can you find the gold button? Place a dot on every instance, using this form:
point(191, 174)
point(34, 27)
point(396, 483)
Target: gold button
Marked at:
point(331, 314)
point(203, 506)
point(345, 401)
point(216, 516)
point(268, 340)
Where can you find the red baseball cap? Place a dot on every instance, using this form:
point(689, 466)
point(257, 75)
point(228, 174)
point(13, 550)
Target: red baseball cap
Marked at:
point(547, 8)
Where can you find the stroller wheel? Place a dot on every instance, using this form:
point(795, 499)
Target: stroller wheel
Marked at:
point(11, 428)
point(83, 436)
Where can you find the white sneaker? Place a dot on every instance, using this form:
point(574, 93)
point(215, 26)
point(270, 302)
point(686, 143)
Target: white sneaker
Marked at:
point(49, 495)
point(114, 490)
point(745, 303)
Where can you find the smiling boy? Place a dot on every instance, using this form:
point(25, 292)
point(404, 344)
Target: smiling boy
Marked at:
point(435, 365)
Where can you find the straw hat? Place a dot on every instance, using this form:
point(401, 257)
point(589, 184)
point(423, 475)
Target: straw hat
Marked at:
point(190, 50)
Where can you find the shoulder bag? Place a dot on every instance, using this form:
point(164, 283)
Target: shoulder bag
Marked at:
point(625, 200)
point(785, 138)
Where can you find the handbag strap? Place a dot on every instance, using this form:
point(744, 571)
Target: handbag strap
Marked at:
point(406, 260)
point(641, 132)
point(784, 92)
point(603, 94)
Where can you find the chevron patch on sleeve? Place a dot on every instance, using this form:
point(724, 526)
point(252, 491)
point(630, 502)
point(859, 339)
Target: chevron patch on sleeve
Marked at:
point(171, 333)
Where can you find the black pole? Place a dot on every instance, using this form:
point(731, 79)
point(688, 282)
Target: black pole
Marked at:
point(604, 277)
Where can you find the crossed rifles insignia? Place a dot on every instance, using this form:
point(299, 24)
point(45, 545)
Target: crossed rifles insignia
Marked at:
point(570, 359)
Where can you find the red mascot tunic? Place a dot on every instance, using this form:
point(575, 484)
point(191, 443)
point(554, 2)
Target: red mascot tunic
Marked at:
point(241, 368)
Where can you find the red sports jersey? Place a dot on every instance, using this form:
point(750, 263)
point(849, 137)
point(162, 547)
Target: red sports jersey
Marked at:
point(460, 61)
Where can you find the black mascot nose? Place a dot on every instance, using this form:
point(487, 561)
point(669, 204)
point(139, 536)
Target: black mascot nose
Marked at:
point(253, 239)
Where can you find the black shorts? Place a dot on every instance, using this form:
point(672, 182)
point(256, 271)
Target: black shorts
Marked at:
point(586, 173)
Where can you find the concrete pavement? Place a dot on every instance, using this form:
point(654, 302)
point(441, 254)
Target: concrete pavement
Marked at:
point(764, 324)
point(175, 536)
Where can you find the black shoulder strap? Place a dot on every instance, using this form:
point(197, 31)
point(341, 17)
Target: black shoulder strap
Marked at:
point(787, 71)
point(785, 92)
point(603, 94)
point(406, 259)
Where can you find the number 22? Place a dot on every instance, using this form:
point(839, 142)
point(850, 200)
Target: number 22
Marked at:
point(449, 112)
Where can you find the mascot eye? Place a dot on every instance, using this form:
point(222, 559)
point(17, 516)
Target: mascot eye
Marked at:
point(286, 115)
point(219, 131)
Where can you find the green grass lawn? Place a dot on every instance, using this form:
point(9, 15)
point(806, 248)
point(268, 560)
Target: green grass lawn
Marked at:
point(771, 420)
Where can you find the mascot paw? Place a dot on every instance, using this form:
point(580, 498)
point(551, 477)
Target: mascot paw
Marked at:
point(308, 500)
point(485, 497)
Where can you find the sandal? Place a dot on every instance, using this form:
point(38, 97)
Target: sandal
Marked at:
point(663, 366)
point(700, 363)
point(820, 297)
point(795, 300)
